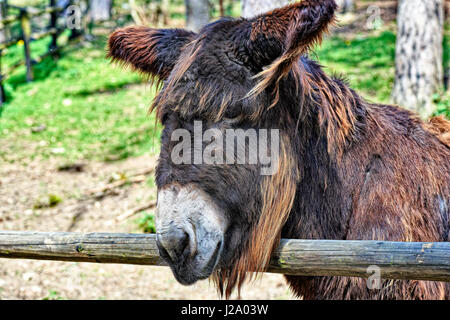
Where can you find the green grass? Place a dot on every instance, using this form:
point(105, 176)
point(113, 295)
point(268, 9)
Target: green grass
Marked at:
point(146, 223)
point(53, 295)
point(368, 63)
point(90, 108)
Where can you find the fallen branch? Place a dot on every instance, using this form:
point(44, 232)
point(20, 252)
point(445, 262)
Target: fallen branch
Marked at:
point(111, 188)
point(134, 179)
point(99, 192)
point(135, 211)
point(395, 260)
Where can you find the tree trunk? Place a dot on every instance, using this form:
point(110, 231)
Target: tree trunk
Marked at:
point(251, 8)
point(222, 8)
point(165, 7)
point(137, 14)
point(346, 5)
point(197, 14)
point(419, 54)
point(4, 32)
point(101, 10)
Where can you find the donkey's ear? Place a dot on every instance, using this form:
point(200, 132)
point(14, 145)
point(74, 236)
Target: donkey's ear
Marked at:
point(279, 37)
point(152, 51)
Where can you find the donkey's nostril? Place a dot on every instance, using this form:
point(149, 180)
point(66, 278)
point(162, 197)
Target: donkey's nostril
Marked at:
point(175, 243)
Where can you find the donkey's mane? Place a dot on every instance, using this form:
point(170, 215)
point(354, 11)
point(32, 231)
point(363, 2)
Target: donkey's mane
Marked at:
point(334, 104)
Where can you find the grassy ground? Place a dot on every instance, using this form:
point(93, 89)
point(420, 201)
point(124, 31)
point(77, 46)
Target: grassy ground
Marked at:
point(368, 62)
point(82, 107)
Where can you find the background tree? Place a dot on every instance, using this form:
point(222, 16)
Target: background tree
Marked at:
point(101, 10)
point(150, 12)
point(197, 14)
point(346, 5)
point(221, 8)
point(252, 8)
point(419, 54)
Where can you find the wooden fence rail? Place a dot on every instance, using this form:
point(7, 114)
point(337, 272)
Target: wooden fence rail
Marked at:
point(395, 260)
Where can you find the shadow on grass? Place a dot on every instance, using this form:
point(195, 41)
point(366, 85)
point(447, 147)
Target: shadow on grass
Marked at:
point(8, 98)
point(108, 88)
point(49, 64)
point(376, 51)
point(41, 71)
point(132, 144)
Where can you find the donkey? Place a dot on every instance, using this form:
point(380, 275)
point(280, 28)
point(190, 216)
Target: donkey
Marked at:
point(346, 168)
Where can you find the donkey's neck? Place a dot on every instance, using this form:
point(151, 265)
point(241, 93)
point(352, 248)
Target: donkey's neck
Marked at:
point(322, 204)
point(331, 120)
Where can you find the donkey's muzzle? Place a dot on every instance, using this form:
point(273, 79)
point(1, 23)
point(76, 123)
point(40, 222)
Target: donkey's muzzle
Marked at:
point(190, 232)
point(175, 244)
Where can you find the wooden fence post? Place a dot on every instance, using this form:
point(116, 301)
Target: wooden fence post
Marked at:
point(222, 8)
point(26, 34)
point(4, 35)
point(90, 23)
point(53, 20)
point(2, 89)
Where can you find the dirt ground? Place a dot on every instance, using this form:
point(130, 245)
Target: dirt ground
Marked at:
point(23, 188)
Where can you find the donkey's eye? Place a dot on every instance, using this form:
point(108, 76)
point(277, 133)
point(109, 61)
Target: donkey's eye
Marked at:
point(165, 117)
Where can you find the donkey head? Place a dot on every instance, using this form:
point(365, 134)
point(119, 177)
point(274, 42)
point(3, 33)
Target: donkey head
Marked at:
point(228, 103)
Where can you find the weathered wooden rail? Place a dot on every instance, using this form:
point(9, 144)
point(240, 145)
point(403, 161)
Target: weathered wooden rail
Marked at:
point(395, 260)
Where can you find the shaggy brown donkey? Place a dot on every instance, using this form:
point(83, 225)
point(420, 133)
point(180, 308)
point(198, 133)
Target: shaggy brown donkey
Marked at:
point(347, 169)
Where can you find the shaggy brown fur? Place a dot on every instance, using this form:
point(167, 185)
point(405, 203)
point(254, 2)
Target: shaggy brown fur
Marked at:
point(348, 169)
